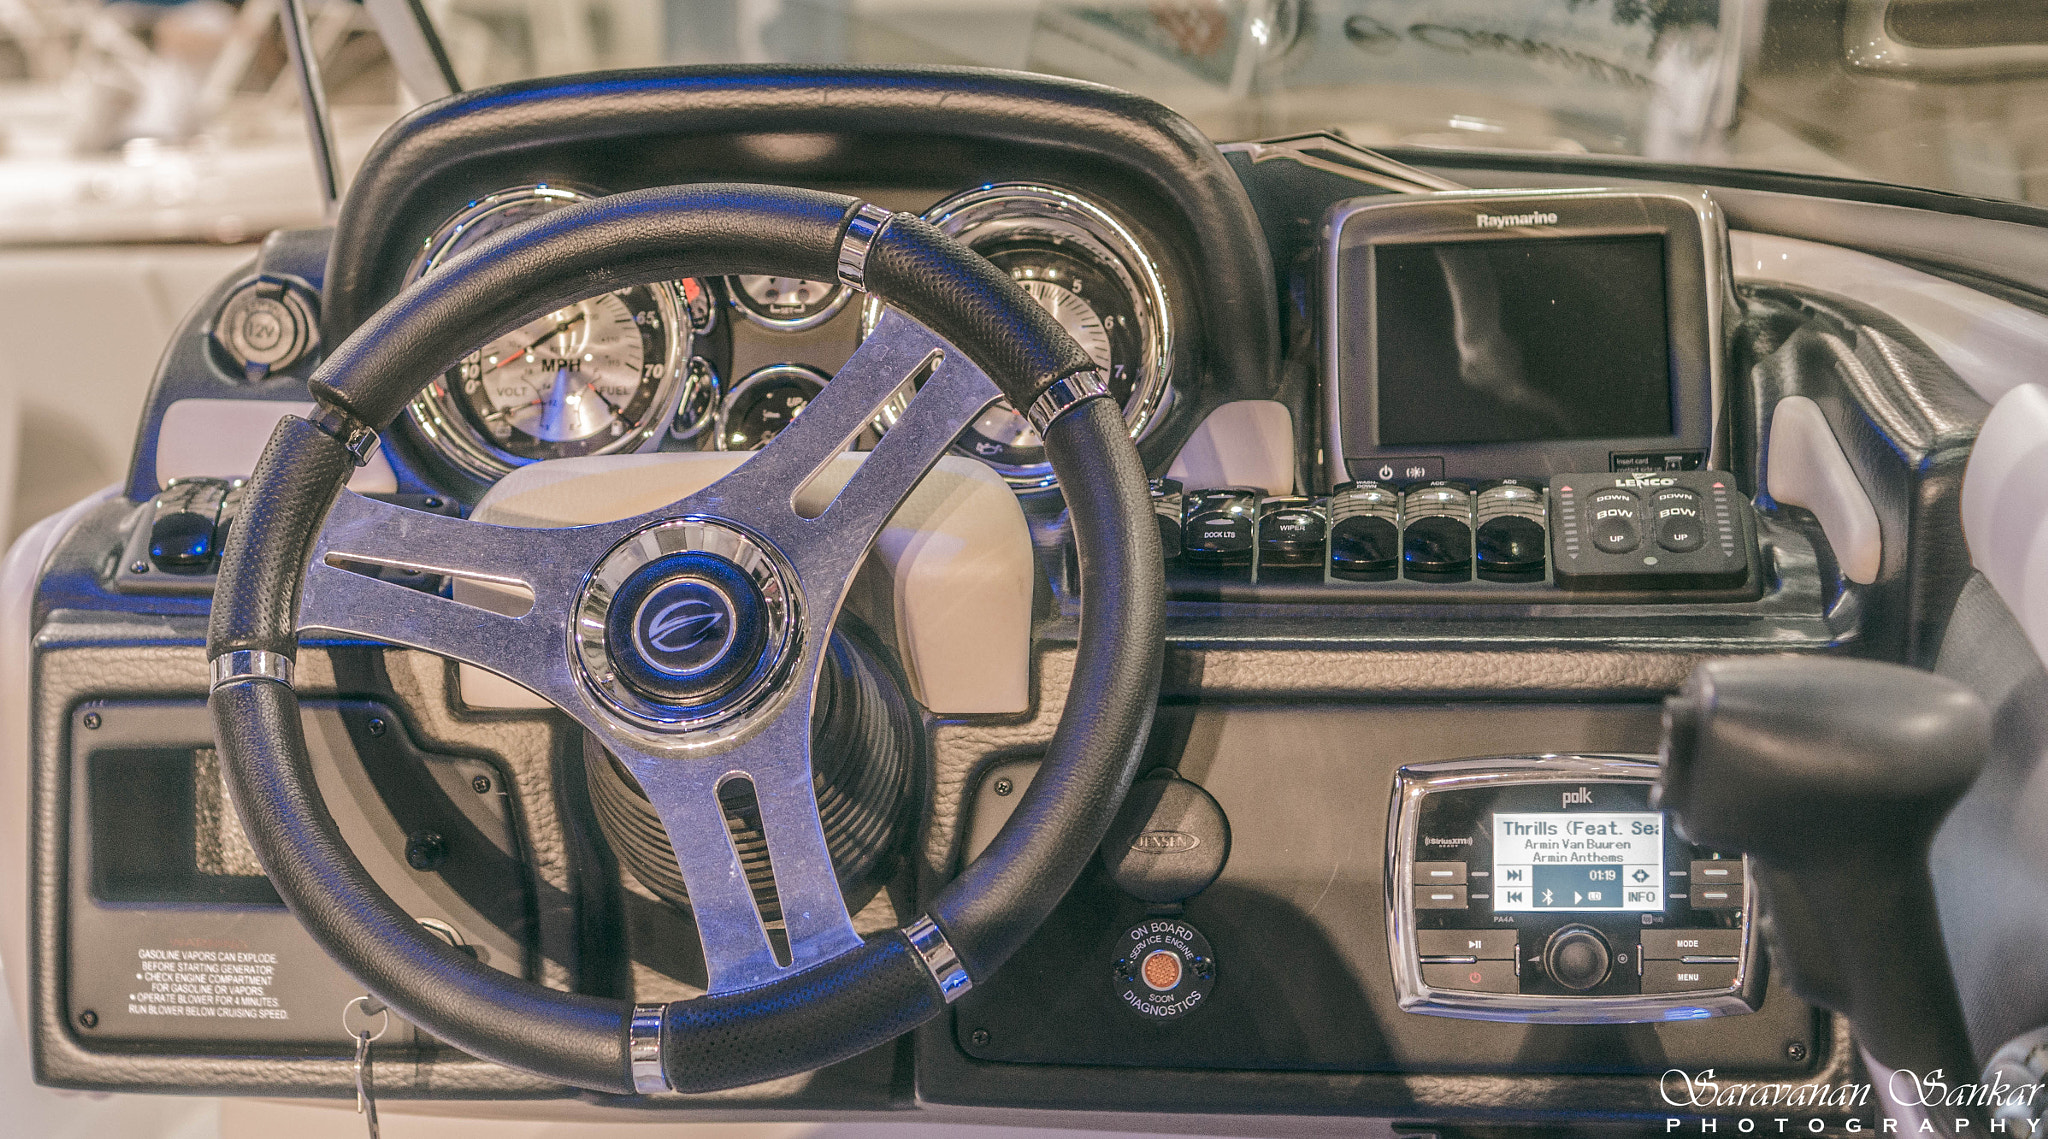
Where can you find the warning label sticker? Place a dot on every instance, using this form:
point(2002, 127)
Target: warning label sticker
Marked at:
point(206, 983)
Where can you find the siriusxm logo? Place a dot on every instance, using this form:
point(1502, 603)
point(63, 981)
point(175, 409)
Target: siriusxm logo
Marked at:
point(684, 627)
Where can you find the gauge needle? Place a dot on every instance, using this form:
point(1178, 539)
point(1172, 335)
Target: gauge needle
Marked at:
point(591, 386)
point(555, 410)
point(545, 337)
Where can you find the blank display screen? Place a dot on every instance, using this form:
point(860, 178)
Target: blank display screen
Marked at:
point(1520, 340)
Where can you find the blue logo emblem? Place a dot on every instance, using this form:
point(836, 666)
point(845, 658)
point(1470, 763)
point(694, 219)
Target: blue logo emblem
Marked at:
point(684, 627)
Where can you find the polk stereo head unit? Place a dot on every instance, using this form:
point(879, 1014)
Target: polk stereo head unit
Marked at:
point(1501, 333)
point(1546, 888)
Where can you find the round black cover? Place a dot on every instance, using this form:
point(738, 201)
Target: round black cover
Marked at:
point(1168, 843)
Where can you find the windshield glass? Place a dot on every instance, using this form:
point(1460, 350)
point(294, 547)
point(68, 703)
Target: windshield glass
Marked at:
point(1939, 93)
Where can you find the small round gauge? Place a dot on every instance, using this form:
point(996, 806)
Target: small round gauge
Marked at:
point(699, 304)
point(697, 410)
point(786, 304)
point(764, 403)
point(1086, 269)
point(596, 376)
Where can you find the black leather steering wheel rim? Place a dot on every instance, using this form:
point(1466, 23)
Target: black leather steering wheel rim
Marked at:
point(855, 1000)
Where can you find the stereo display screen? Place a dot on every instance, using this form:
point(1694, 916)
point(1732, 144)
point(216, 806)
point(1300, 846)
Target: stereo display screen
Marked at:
point(1505, 341)
point(1578, 862)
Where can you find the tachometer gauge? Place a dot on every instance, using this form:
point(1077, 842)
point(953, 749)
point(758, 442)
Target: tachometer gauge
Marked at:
point(1087, 270)
point(764, 403)
point(594, 377)
point(786, 304)
point(1093, 310)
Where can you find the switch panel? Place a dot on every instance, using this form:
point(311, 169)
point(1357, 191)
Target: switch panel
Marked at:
point(1664, 530)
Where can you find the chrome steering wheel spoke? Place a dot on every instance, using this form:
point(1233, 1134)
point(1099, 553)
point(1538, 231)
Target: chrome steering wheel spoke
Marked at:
point(539, 570)
point(738, 952)
point(688, 639)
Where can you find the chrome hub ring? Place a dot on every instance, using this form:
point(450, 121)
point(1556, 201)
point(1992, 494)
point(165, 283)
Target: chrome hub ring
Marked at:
point(685, 631)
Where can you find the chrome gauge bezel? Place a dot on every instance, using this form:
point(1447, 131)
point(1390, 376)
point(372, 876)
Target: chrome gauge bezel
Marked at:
point(760, 377)
point(1011, 211)
point(436, 412)
point(737, 296)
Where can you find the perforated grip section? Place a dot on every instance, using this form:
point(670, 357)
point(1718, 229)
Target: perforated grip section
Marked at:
point(575, 1039)
point(1003, 895)
point(970, 302)
point(255, 604)
point(818, 1017)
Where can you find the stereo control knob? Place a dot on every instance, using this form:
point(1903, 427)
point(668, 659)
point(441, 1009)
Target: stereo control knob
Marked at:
point(1576, 958)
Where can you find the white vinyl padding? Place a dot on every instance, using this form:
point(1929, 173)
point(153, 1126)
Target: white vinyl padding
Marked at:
point(1246, 443)
point(1808, 469)
point(2005, 507)
point(223, 438)
point(949, 581)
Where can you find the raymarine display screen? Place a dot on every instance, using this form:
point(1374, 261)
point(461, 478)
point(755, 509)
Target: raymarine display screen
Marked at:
point(1578, 862)
point(1522, 340)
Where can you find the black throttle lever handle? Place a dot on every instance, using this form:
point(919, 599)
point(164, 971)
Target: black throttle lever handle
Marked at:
point(1832, 777)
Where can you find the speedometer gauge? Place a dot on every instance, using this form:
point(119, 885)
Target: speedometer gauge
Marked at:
point(574, 381)
point(1095, 312)
point(1086, 269)
point(594, 377)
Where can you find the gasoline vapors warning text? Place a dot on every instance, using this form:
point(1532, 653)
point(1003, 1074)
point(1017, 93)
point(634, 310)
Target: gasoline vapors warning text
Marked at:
point(206, 983)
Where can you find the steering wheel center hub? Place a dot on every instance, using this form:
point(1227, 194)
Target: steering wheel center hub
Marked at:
point(686, 626)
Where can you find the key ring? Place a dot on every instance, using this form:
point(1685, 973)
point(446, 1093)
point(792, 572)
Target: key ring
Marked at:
point(383, 1010)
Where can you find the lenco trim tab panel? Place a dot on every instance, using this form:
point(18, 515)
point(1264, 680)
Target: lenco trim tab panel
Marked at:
point(1493, 334)
point(1546, 888)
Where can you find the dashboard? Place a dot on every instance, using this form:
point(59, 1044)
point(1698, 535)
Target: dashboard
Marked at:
point(1454, 484)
